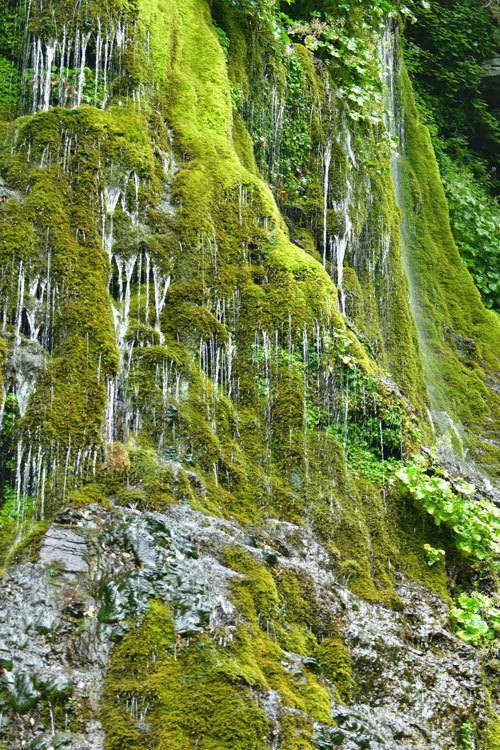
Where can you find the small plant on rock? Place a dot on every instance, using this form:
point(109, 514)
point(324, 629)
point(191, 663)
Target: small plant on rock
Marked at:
point(433, 555)
point(467, 736)
point(477, 619)
point(475, 522)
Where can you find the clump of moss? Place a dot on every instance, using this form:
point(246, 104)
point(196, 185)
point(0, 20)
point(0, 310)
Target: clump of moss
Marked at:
point(88, 493)
point(335, 659)
point(297, 733)
point(255, 594)
point(180, 689)
point(492, 735)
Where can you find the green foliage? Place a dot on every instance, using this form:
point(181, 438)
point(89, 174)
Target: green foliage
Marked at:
point(444, 51)
point(9, 82)
point(371, 11)
point(10, 415)
point(11, 15)
point(283, 156)
point(475, 220)
point(433, 555)
point(353, 59)
point(265, 16)
point(467, 736)
point(476, 618)
point(445, 48)
point(223, 40)
point(341, 398)
point(14, 507)
point(475, 523)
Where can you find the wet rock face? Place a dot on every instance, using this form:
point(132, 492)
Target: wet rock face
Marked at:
point(414, 683)
point(63, 546)
point(491, 72)
point(413, 677)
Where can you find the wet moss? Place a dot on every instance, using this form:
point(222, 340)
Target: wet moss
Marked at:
point(223, 441)
point(276, 621)
point(297, 598)
point(297, 733)
point(298, 639)
point(230, 449)
point(58, 230)
point(492, 735)
point(15, 548)
point(189, 699)
point(149, 477)
point(255, 594)
point(399, 334)
point(296, 287)
point(335, 660)
point(447, 301)
point(87, 494)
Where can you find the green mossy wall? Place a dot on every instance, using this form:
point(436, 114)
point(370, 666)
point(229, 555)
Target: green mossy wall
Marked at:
point(281, 439)
point(347, 513)
point(252, 463)
point(461, 339)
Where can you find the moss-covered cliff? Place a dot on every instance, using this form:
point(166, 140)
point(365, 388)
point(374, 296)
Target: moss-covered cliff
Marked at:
point(233, 313)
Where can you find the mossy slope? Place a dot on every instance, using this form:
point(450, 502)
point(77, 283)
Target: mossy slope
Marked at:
point(460, 337)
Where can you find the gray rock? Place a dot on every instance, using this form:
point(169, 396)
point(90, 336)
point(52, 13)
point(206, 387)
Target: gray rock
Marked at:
point(415, 681)
point(64, 546)
point(491, 68)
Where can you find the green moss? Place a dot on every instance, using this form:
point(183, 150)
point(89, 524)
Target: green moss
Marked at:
point(89, 493)
point(255, 595)
point(190, 700)
point(270, 442)
point(448, 305)
point(235, 274)
point(492, 734)
point(272, 610)
point(17, 545)
point(67, 405)
point(410, 532)
point(220, 198)
point(335, 659)
point(298, 639)
point(297, 597)
point(391, 291)
point(297, 733)
point(268, 663)
point(250, 464)
point(153, 483)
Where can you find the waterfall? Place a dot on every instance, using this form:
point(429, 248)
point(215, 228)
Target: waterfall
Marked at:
point(31, 305)
point(344, 207)
point(326, 182)
point(28, 327)
point(442, 423)
point(340, 239)
point(449, 435)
